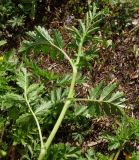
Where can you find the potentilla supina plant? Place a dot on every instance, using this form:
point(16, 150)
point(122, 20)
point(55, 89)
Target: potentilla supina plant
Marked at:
point(41, 37)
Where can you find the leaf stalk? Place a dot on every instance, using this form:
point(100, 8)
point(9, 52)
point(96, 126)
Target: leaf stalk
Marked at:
point(36, 120)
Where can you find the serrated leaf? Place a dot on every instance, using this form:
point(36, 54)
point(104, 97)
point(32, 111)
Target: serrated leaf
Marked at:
point(22, 78)
point(32, 87)
point(43, 73)
point(45, 49)
point(116, 96)
point(37, 50)
point(23, 118)
point(9, 99)
point(58, 95)
point(58, 40)
point(37, 38)
point(113, 146)
point(64, 80)
point(107, 91)
point(53, 53)
point(95, 92)
point(13, 97)
point(43, 108)
point(105, 100)
point(53, 98)
point(43, 33)
point(79, 110)
point(33, 91)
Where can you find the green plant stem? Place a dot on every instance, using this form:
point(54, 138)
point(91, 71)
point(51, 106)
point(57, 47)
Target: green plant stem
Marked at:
point(119, 150)
point(68, 101)
point(65, 54)
point(80, 50)
point(61, 116)
point(70, 95)
point(36, 120)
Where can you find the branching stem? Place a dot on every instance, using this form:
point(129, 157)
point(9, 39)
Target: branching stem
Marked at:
point(64, 53)
point(68, 101)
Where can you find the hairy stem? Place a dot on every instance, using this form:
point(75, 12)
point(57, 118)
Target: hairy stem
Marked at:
point(80, 50)
point(70, 95)
point(36, 120)
point(61, 116)
point(68, 101)
point(34, 116)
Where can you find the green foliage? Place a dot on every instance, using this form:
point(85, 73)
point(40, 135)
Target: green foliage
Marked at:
point(58, 40)
point(13, 14)
point(65, 80)
point(16, 21)
point(45, 74)
point(118, 15)
point(2, 42)
point(102, 100)
point(135, 155)
point(127, 130)
point(5, 12)
point(89, 25)
point(9, 16)
point(40, 41)
point(14, 110)
point(7, 71)
point(63, 152)
point(107, 98)
point(32, 99)
point(28, 7)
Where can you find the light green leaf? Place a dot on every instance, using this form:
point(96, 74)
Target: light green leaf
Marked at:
point(43, 33)
point(13, 97)
point(116, 96)
point(106, 100)
point(107, 91)
point(95, 92)
point(23, 118)
point(43, 108)
point(22, 78)
point(113, 146)
point(33, 91)
point(58, 40)
point(3, 42)
point(79, 110)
